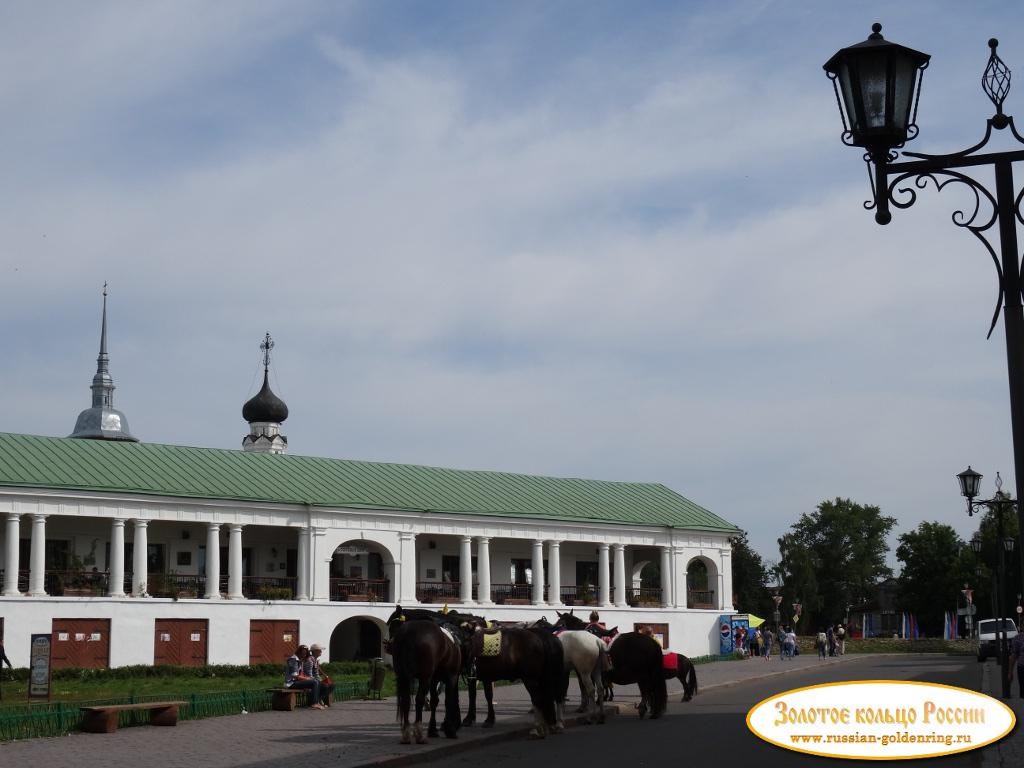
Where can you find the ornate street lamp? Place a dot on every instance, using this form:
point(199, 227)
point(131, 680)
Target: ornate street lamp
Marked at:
point(877, 84)
point(970, 482)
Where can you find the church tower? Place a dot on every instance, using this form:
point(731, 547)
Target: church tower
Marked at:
point(102, 421)
point(265, 412)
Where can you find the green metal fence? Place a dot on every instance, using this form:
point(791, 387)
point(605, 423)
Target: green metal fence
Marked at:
point(29, 721)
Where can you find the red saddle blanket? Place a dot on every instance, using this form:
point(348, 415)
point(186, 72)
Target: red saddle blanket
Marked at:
point(670, 661)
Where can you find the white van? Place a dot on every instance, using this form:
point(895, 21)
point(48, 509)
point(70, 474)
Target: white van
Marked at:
point(987, 638)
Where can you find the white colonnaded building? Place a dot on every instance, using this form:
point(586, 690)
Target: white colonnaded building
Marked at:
point(128, 552)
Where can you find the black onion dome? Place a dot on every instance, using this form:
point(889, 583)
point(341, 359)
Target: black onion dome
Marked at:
point(265, 406)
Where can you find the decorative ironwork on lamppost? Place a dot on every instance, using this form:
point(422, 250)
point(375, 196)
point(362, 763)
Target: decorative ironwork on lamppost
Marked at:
point(970, 484)
point(878, 85)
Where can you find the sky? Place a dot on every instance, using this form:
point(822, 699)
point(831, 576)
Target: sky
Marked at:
point(609, 240)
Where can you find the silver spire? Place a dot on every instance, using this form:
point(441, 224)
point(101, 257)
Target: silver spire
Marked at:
point(102, 421)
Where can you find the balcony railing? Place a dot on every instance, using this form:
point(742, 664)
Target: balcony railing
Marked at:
point(644, 597)
point(700, 598)
point(437, 592)
point(361, 590)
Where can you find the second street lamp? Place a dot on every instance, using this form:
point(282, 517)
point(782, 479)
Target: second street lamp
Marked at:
point(970, 484)
point(877, 84)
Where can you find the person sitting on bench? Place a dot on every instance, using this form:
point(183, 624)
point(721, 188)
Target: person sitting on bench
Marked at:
point(295, 678)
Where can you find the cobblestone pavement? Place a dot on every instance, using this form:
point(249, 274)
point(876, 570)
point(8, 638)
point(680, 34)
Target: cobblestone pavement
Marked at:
point(358, 733)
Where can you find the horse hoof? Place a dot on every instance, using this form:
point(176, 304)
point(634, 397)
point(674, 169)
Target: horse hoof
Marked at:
point(535, 734)
point(433, 733)
point(469, 721)
point(488, 724)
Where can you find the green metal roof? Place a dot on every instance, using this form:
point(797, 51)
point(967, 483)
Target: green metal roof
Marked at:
point(28, 461)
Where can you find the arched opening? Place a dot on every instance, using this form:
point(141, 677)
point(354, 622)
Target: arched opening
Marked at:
point(362, 571)
point(701, 577)
point(358, 638)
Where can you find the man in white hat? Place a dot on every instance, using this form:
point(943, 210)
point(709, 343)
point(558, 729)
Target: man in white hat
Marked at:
point(312, 669)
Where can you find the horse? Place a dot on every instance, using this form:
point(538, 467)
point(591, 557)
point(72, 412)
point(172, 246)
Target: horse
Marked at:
point(635, 658)
point(678, 666)
point(430, 655)
point(587, 655)
point(453, 621)
point(530, 655)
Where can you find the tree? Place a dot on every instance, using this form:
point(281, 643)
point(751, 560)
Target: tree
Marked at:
point(988, 532)
point(935, 568)
point(833, 558)
point(748, 577)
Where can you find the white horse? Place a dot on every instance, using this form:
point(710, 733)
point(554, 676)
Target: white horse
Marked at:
point(586, 654)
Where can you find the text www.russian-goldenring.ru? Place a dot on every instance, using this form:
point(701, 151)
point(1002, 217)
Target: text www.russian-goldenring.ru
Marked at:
point(904, 737)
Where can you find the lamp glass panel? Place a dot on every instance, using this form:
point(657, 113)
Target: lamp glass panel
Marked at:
point(904, 74)
point(847, 86)
point(873, 88)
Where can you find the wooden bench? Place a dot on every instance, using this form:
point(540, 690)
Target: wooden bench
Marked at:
point(284, 698)
point(104, 718)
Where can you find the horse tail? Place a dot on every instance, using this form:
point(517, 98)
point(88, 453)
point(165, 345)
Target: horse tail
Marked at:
point(690, 683)
point(405, 670)
point(554, 668)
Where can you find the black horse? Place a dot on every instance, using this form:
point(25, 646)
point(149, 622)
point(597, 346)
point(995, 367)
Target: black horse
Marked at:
point(430, 655)
point(531, 655)
point(635, 658)
point(684, 671)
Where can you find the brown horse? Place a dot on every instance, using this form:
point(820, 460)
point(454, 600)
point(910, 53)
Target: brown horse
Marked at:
point(530, 655)
point(430, 655)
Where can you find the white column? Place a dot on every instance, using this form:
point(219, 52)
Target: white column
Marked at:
point(680, 587)
point(235, 562)
point(320, 559)
point(115, 568)
point(405, 578)
point(140, 558)
point(620, 575)
point(666, 577)
point(554, 573)
point(538, 572)
point(466, 570)
point(11, 564)
point(302, 566)
point(603, 591)
point(37, 560)
point(213, 561)
point(725, 579)
point(483, 570)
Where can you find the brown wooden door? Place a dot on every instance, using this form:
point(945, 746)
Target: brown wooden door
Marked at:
point(81, 643)
point(271, 642)
point(180, 642)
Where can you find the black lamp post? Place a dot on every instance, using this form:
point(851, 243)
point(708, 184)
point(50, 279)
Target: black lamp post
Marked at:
point(877, 84)
point(970, 483)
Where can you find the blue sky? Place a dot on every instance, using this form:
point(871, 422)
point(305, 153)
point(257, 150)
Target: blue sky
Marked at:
point(608, 240)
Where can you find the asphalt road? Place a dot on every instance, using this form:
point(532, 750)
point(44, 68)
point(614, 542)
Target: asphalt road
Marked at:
point(711, 730)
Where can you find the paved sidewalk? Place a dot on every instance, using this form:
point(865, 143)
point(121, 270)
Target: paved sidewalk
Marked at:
point(360, 733)
point(1009, 752)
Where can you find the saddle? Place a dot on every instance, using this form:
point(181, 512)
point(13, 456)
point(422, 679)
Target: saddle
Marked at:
point(490, 643)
